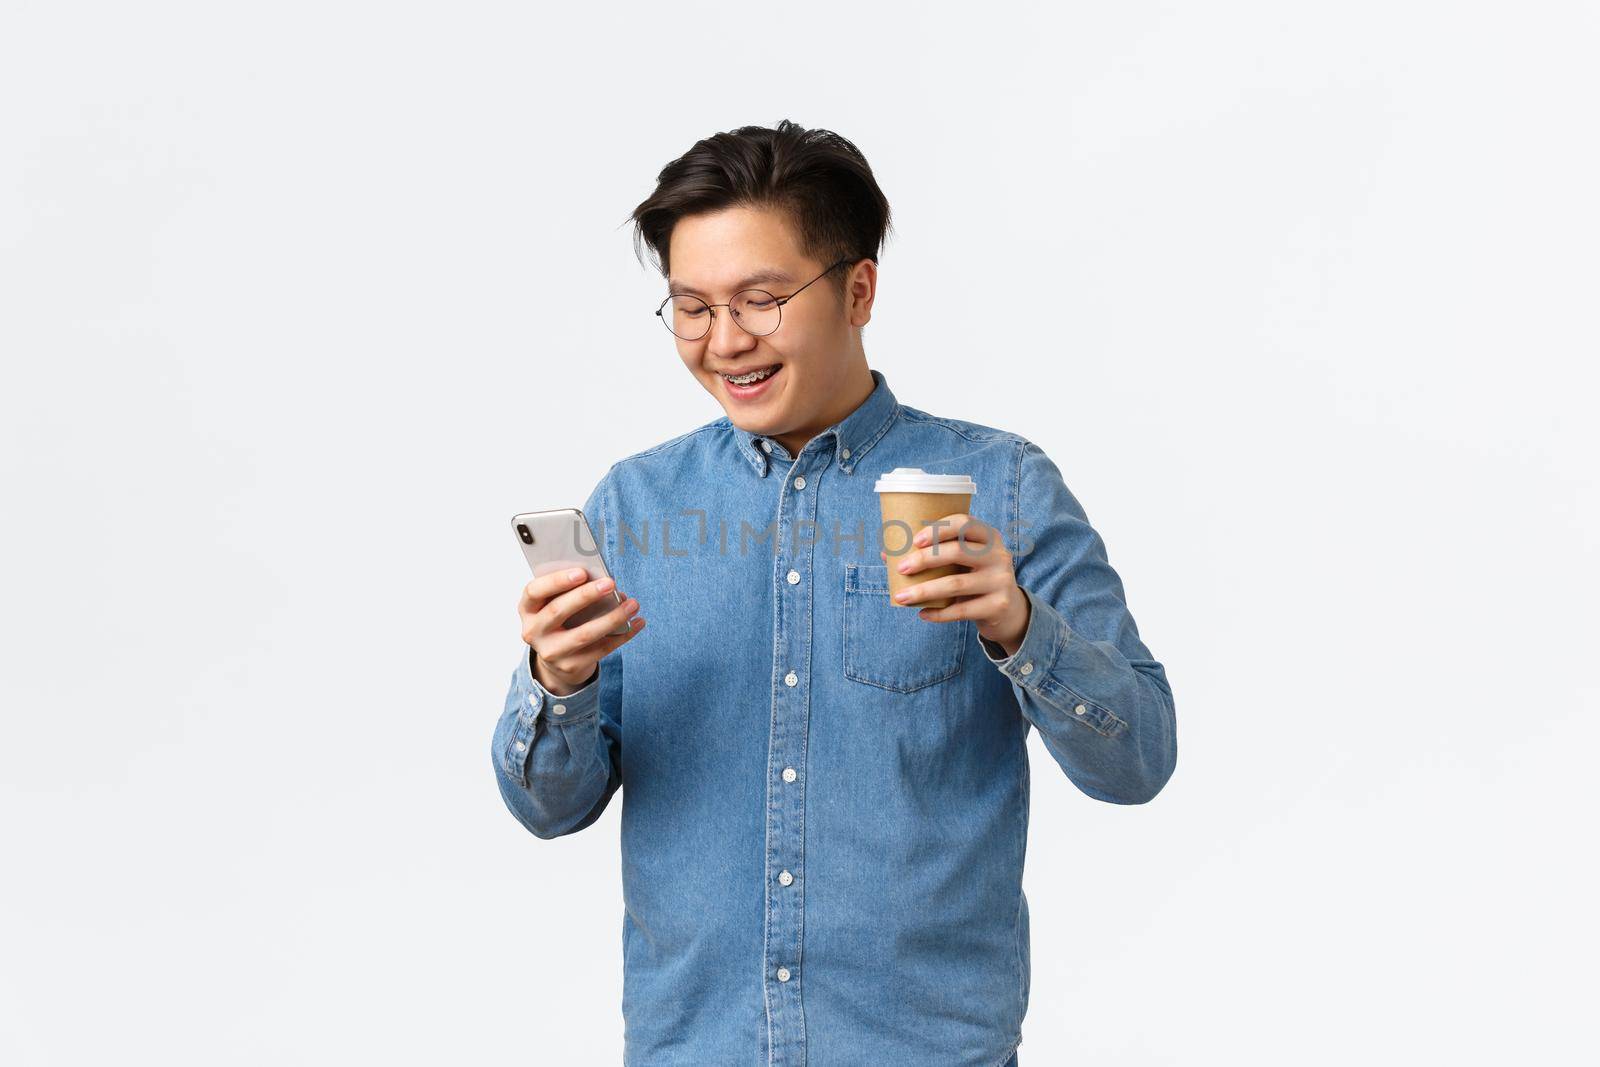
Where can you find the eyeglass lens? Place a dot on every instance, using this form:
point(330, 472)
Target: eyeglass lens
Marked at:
point(756, 311)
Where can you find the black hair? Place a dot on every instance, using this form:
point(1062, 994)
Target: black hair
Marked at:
point(816, 178)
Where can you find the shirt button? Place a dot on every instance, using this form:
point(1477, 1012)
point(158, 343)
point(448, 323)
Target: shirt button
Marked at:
point(560, 709)
point(794, 577)
point(766, 446)
point(522, 746)
point(1079, 710)
point(788, 774)
point(844, 453)
point(1027, 668)
point(791, 679)
point(785, 878)
point(533, 698)
point(800, 481)
point(783, 974)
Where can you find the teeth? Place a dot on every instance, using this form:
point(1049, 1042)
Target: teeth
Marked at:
point(753, 376)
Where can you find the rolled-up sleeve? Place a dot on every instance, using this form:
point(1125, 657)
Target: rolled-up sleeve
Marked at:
point(1082, 676)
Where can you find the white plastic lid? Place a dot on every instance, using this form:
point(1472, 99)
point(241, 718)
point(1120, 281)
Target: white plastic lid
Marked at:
point(917, 480)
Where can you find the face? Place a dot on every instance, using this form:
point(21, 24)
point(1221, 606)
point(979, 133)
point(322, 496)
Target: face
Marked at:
point(816, 350)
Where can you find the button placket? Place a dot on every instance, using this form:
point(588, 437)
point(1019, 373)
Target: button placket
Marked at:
point(793, 605)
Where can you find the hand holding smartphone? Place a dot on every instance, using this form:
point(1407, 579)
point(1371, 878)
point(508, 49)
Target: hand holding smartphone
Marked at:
point(572, 614)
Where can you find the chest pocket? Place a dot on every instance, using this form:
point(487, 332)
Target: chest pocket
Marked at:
point(889, 646)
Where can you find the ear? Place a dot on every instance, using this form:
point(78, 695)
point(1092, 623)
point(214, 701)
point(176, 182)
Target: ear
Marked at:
point(860, 290)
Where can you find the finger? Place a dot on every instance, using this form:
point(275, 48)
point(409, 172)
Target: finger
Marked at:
point(967, 538)
point(568, 604)
point(537, 595)
point(973, 554)
point(538, 592)
point(948, 526)
point(582, 661)
point(965, 583)
point(579, 638)
point(615, 641)
point(952, 527)
point(972, 607)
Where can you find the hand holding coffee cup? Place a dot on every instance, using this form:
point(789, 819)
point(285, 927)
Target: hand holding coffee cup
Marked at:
point(950, 564)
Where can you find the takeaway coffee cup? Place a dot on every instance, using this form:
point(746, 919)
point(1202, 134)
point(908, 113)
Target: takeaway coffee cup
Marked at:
point(910, 498)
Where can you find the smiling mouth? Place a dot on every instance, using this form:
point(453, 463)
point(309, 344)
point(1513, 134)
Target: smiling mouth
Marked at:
point(752, 377)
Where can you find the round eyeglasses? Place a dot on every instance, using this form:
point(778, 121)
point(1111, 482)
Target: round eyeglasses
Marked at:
point(756, 311)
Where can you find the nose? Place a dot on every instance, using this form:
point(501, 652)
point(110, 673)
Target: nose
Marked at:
point(727, 336)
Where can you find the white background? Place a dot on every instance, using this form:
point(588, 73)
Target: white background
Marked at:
point(299, 302)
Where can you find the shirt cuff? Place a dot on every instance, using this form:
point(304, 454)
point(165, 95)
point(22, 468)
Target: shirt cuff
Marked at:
point(1037, 650)
point(526, 702)
point(1046, 665)
point(580, 706)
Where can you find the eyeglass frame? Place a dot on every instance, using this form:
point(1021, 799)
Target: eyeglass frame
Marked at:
point(778, 300)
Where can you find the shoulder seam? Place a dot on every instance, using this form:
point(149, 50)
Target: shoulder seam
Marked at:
point(918, 415)
point(668, 443)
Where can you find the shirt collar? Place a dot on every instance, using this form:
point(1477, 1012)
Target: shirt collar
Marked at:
point(853, 436)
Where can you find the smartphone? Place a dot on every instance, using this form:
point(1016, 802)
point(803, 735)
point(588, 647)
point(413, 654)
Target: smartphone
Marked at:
point(560, 539)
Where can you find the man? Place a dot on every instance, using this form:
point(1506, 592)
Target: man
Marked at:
point(826, 795)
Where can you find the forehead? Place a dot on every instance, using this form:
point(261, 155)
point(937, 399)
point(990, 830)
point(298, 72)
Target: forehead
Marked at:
point(719, 252)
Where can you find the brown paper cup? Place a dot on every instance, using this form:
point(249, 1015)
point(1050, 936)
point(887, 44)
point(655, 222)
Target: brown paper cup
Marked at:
point(906, 508)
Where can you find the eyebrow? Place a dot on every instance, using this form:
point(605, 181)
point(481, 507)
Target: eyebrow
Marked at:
point(765, 275)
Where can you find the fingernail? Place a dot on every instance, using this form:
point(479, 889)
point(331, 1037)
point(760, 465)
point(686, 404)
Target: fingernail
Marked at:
point(574, 575)
point(903, 595)
point(603, 584)
point(904, 568)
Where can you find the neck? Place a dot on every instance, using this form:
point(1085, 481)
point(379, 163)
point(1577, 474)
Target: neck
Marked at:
point(853, 392)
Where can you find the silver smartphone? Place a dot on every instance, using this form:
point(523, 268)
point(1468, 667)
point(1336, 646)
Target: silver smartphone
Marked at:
point(560, 539)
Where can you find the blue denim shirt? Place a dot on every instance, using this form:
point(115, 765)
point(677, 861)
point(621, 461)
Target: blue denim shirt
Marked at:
point(825, 797)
